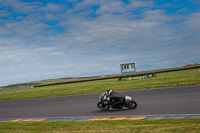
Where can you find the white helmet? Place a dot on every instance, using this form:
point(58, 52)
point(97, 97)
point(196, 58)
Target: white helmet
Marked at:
point(109, 92)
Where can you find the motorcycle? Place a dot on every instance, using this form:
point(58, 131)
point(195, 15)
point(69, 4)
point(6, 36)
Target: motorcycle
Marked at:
point(105, 103)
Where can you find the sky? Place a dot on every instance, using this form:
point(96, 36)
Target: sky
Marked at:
point(47, 39)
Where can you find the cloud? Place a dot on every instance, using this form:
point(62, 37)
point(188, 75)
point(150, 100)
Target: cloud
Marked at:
point(112, 7)
point(51, 7)
point(193, 21)
point(18, 6)
point(17, 76)
point(156, 16)
point(24, 28)
point(4, 13)
point(91, 37)
point(135, 4)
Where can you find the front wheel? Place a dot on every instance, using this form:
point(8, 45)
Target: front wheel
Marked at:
point(131, 105)
point(102, 106)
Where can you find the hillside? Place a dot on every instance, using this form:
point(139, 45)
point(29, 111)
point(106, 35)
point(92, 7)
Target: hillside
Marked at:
point(76, 79)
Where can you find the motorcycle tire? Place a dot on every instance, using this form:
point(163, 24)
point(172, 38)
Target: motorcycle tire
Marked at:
point(102, 106)
point(131, 105)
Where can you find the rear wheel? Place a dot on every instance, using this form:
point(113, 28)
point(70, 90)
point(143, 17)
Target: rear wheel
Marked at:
point(131, 105)
point(102, 106)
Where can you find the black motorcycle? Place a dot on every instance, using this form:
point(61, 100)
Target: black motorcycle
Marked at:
point(105, 103)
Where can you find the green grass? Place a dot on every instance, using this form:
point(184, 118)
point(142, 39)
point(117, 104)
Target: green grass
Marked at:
point(64, 80)
point(169, 79)
point(119, 126)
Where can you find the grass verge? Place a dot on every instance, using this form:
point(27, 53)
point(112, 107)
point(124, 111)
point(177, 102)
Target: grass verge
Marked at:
point(169, 79)
point(133, 126)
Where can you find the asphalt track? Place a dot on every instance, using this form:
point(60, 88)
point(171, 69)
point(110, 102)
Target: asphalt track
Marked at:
point(164, 101)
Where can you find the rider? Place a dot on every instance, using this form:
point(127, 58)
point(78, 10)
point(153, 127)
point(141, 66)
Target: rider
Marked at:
point(116, 98)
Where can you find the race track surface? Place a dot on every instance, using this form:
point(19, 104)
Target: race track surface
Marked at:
point(163, 101)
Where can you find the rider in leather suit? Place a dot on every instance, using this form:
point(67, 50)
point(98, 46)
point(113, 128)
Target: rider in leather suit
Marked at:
point(116, 98)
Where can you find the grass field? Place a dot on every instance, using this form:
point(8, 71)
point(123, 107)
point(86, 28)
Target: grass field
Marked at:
point(75, 79)
point(169, 79)
point(119, 126)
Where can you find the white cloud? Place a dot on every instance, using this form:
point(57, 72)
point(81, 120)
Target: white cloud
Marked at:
point(156, 16)
point(193, 21)
point(112, 7)
point(135, 4)
point(18, 6)
point(56, 53)
point(31, 48)
point(17, 76)
point(51, 7)
point(4, 13)
point(26, 28)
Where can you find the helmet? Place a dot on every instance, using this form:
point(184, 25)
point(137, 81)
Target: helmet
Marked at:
point(109, 92)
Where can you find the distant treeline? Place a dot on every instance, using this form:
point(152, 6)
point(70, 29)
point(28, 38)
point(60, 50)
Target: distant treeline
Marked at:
point(19, 85)
point(186, 67)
